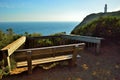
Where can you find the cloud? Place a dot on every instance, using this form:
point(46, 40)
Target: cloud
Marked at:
point(117, 9)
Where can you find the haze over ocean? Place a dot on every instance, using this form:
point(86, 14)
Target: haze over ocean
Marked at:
point(45, 28)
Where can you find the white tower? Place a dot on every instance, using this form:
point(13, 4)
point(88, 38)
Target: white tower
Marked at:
point(105, 8)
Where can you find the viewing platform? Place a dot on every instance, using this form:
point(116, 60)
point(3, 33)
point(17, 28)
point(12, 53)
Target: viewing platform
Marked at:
point(31, 51)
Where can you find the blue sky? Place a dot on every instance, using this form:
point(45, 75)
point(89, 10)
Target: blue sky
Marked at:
point(53, 10)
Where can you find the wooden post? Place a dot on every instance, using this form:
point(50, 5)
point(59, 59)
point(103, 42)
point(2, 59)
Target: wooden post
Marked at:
point(9, 64)
point(27, 43)
point(98, 49)
point(74, 58)
point(29, 62)
point(6, 59)
point(4, 53)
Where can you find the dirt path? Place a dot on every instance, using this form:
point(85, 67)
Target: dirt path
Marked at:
point(106, 66)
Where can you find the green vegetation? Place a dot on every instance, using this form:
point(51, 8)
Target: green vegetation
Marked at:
point(45, 42)
point(94, 16)
point(32, 35)
point(9, 36)
point(51, 42)
point(107, 27)
point(3, 70)
point(6, 37)
point(58, 34)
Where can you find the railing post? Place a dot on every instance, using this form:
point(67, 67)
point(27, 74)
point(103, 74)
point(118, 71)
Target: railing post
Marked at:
point(98, 48)
point(6, 59)
point(9, 65)
point(27, 43)
point(29, 62)
point(1, 55)
point(4, 54)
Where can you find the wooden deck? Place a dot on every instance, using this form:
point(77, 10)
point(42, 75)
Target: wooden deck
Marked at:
point(34, 56)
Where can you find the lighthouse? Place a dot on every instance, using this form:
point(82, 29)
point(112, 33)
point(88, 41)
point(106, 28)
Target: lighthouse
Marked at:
point(105, 8)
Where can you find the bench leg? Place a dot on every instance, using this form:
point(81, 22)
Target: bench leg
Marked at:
point(74, 58)
point(72, 63)
point(29, 62)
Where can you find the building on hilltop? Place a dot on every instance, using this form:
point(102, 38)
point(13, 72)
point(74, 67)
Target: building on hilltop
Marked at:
point(105, 8)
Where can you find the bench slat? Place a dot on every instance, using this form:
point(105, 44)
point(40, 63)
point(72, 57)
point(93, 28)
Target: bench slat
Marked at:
point(45, 60)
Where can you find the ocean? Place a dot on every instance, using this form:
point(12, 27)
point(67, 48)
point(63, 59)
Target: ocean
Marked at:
point(45, 28)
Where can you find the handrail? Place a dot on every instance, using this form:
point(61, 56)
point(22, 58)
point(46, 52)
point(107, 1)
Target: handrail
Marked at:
point(83, 38)
point(9, 49)
point(14, 45)
point(60, 46)
point(87, 39)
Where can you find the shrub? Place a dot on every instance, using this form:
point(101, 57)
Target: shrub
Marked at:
point(106, 27)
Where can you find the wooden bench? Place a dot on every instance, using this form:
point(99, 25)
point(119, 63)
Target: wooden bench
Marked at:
point(35, 56)
point(70, 50)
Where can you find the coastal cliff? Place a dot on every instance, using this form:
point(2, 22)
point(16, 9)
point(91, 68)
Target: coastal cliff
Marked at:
point(100, 24)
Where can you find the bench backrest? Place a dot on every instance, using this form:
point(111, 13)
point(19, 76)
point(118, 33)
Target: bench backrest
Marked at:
point(52, 51)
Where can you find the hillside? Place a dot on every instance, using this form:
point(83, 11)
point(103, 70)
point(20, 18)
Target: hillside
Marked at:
point(93, 17)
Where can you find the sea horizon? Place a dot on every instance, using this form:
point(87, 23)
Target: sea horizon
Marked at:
point(42, 27)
